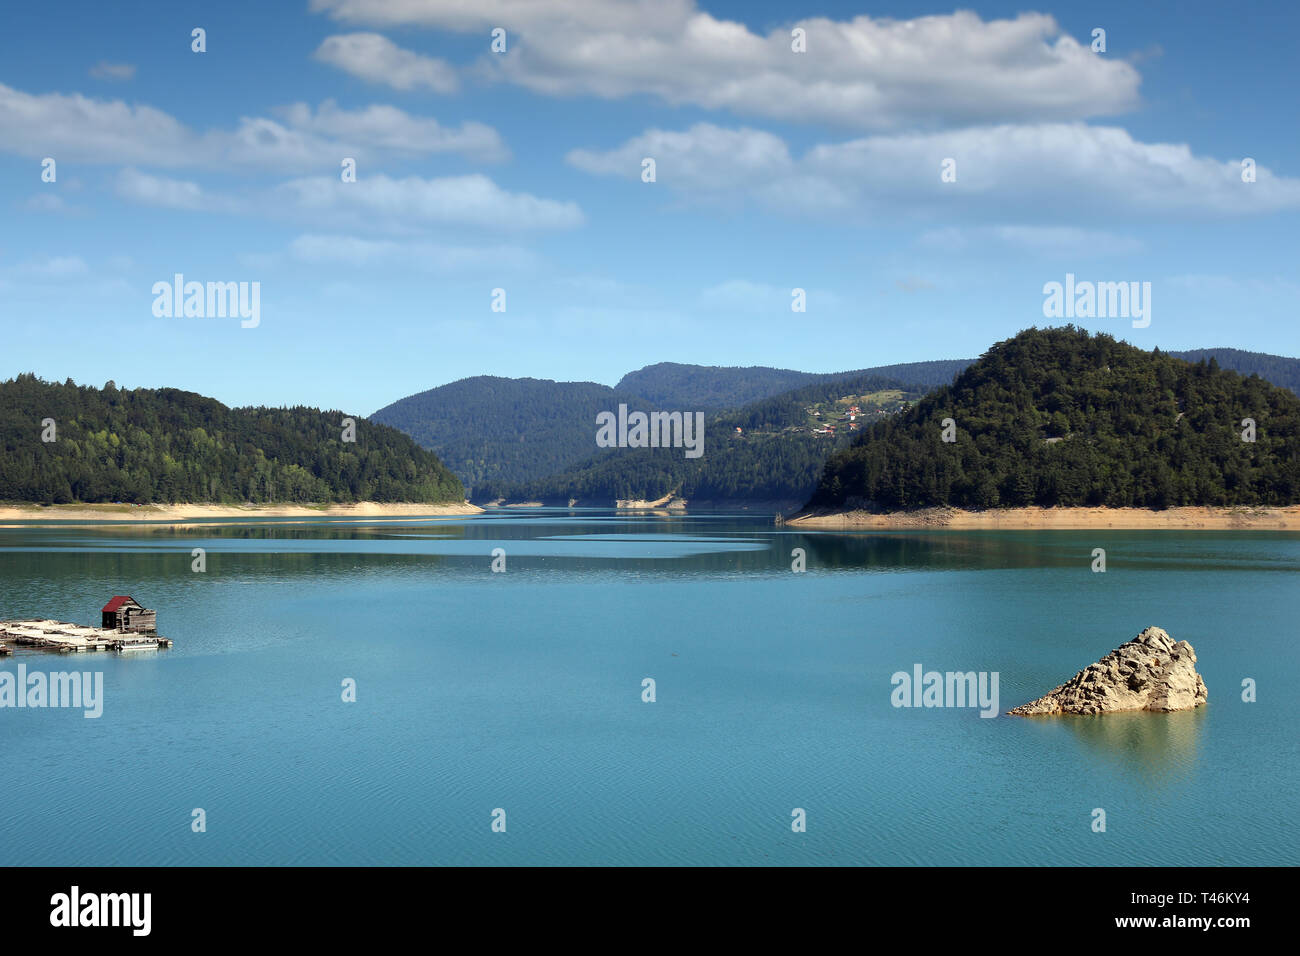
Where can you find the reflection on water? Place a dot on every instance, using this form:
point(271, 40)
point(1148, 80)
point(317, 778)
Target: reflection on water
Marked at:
point(556, 539)
point(1158, 748)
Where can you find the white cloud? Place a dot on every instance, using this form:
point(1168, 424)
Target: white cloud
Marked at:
point(1042, 241)
point(103, 70)
point(53, 267)
point(742, 295)
point(47, 202)
point(115, 287)
point(303, 139)
point(1068, 240)
point(262, 261)
point(353, 251)
point(1031, 172)
point(391, 130)
point(607, 320)
point(863, 73)
point(159, 191)
point(604, 288)
point(266, 143)
point(377, 59)
point(1202, 284)
point(702, 157)
point(463, 200)
point(76, 127)
point(911, 284)
point(372, 203)
point(79, 128)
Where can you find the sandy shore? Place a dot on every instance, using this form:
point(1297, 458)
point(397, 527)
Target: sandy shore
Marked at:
point(1172, 519)
point(91, 514)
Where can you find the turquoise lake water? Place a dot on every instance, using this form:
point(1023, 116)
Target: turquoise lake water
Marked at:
point(523, 691)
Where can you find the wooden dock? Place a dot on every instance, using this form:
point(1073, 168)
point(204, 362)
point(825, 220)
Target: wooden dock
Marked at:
point(64, 637)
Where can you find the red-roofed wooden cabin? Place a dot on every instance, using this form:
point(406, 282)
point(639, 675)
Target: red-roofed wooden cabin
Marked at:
point(124, 613)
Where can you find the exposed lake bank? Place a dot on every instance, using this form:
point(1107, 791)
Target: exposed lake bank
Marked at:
point(668, 503)
point(92, 513)
point(1062, 519)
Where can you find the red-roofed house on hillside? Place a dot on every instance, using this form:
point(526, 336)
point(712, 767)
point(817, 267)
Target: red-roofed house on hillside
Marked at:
point(124, 613)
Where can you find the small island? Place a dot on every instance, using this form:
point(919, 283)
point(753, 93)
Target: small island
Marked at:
point(1150, 672)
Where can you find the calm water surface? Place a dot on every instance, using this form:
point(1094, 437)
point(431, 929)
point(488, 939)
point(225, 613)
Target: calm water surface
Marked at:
point(523, 691)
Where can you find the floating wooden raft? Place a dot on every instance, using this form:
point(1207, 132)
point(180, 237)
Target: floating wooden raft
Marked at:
point(61, 636)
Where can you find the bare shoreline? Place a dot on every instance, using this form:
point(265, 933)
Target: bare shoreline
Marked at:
point(197, 513)
point(1137, 519)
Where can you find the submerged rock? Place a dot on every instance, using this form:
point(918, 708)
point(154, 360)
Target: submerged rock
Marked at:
point(1150, 672)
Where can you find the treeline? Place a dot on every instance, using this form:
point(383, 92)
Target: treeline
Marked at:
point(499, 430)
point(1055, 417)
point(703, 387)
point(774, 458)
point(1277, 369)
point(167, 445)
point(709, 387)
point(765, 467)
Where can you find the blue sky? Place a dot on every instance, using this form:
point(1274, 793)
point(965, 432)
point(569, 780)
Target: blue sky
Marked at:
point(522, 171)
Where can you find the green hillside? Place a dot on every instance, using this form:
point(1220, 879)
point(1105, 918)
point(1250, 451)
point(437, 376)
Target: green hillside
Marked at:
point(166, 445)
point(1057, 417)
point(709, 387)
point(496, 432)
point(777, 454)
point(490, 429)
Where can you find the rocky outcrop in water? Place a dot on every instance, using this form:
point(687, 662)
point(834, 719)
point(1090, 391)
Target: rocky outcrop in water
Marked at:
point(1150, 672)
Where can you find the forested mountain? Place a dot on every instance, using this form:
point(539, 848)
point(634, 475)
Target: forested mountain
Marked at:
point(496, 432)
point(920, 374)
point(167, 445)
point(1275, 368)
point(1055, 417)
point(1028, 438)
point(709, 387)
point(505, 429)
point(776, 456)
point(534, 438)
point(714, 387)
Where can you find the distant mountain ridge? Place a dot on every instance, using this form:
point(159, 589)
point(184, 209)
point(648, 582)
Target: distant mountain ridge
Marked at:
point(715, 387)
point(771, 451)
point(497, 433)
point(1278, 369)
point(491, 429)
